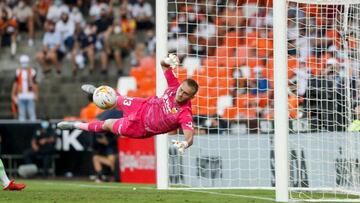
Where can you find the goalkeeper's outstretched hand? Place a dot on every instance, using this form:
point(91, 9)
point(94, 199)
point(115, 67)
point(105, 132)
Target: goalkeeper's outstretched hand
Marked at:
point(171, 61)
point(180, 145)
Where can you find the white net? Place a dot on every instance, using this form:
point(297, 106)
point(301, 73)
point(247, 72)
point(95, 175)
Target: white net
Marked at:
point(227, 46)
point(324, 40)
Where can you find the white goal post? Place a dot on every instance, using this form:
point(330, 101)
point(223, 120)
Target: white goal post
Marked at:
point(278, 92)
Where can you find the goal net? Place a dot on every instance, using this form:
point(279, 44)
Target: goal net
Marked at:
point(228, 48)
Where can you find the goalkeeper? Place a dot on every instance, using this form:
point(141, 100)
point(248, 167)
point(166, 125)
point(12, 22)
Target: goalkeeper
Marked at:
point(148, 117)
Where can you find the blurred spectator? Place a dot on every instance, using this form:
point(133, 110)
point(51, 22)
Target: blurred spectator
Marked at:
point(300, 80)
point(259, 84)
point(178, 43)
point(231, 16)
point(212, 124)
point(104, 22)
point(53, 49)
point(8, 28)
point(42, 148)
point(96, 9)
point(143, 14)
point(103, 29)
point(203, 40)
point(76, 16)
point(151, 42)
point(24, 91)
point(325, 99)
point(242, 77)
point(41, 9)
point(126, 22)
point(25, 18)
point(84, 49)
point(55, 10)
point(128, 6)
point(118, 45)
point(105, 149)
point(138, 54)
point(66, 28)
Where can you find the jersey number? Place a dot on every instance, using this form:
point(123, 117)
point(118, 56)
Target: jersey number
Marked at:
point(127, 101)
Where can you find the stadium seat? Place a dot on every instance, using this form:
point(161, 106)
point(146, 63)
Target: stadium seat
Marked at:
point(224, 102)
point(224, 52)
point(252, 62)
point(210, 62)
point(148, 63)
point(232, 40)
point(125, 84)
point(247, 113)
point(182, 73)
point(138, 73)
point(243, 52)
point(264, 47)
point(191, 64)
point(293, 106)
point(230, 113)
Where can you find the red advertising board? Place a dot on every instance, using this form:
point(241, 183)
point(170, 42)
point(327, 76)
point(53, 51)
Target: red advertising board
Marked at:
point(137, 160)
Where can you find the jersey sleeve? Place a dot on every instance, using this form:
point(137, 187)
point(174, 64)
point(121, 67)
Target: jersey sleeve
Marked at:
point(172, 81)
point(186, 121)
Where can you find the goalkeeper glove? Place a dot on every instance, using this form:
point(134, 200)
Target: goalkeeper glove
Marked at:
point(172, 60)
point(180, 145)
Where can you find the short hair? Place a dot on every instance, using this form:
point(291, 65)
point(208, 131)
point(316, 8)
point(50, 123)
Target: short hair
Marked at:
point(193, 84)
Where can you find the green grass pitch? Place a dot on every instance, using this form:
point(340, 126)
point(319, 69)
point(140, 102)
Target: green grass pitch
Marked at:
point(86, 191)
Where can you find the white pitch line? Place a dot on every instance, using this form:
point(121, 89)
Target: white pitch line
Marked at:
point(232, 195)
point(151, 188)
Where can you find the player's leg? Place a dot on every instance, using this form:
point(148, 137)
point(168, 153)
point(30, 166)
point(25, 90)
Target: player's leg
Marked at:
point(94, 126)
point(7, 184)
point(97, 167)
point(88, 88)
point(99, 160)
point(4, 179)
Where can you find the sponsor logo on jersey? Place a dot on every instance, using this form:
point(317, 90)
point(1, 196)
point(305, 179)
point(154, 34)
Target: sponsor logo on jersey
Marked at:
point(174, 110)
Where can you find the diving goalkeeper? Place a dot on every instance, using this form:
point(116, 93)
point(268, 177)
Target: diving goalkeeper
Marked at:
point(148, 117)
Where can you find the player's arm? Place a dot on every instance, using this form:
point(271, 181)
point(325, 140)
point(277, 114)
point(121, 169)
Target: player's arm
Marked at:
point(35, 89)
point(169, 62)
point(188, 129)
point(182, 145)
point(189, 137)
point(13, 91)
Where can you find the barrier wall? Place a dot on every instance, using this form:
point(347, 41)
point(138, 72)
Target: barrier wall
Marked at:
point(317, 160)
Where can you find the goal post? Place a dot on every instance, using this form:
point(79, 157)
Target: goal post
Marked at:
point(161, 52)
point(278, 92)
point(281, 118)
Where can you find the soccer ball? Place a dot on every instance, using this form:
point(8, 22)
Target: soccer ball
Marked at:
point(104, 97)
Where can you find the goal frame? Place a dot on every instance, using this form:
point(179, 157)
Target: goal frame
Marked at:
point(281, 120)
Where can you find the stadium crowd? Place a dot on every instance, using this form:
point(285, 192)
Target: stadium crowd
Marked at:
point(227, 47)
point(78, 30)
point(229, 51)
